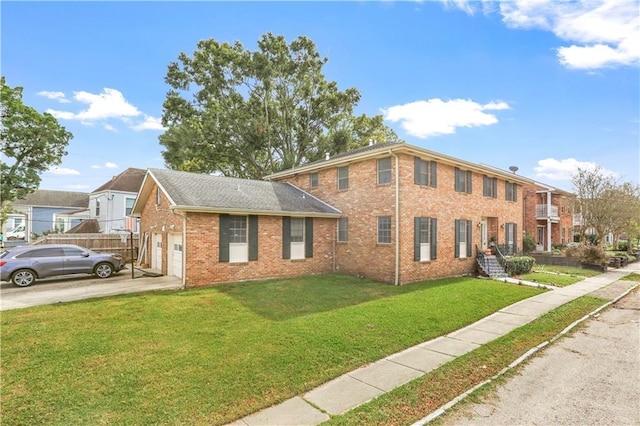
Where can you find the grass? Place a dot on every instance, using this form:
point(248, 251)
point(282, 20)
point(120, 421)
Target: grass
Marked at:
point(213, 355)
point(569, 270)
point(413, 401)
point(632, 277)
point(558, 280)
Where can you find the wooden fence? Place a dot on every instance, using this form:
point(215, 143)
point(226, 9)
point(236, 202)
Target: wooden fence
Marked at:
point(104, 243)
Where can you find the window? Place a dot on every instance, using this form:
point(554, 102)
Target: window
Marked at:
point(238, 241)
point(297, 237)
point(490, 187)
point(313, 180)
point(511, 191)
point(158, 197)
point(425, 172)
point(343, 230)
point(463, 232)
point(511, 238)
point(425, 238)
point(384, 171)
point(343, 177)
point(463, 180)
point(384, 230)
point(97, 207)
point(128, 206)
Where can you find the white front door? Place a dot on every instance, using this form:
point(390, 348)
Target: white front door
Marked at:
point(156, 251)
point(484, 234)
point(175, 252)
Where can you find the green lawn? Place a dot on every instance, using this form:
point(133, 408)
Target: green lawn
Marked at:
point(569, 270)
point(558, 280)
point(213, 355)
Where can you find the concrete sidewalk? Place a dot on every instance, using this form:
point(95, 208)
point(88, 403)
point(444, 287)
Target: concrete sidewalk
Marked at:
point(364, 384)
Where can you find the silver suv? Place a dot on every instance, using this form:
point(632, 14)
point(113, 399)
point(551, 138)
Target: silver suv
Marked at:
point(23, 265)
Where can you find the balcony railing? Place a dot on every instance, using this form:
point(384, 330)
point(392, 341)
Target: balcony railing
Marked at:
point(545, 210)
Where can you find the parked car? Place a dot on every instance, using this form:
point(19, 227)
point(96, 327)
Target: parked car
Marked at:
point(23, 265)
point(16, 233)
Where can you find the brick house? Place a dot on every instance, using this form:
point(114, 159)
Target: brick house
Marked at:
point(391, 212)
point(411, 214)
point(548, 215)
point(211, 229)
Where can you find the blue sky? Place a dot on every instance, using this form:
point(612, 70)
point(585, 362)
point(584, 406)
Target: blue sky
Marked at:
point(545, 86)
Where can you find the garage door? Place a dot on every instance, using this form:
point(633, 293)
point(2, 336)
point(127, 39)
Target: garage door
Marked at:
point(175, 248)
point(156, 251)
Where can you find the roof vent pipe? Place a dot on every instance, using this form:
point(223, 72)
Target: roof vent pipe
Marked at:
point(326, 156)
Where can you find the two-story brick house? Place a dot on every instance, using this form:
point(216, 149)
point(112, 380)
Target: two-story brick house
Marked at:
point(548, 213)
point(392, 212)
point(411, 214)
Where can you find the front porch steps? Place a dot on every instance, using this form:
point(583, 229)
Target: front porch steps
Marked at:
point(489, 266)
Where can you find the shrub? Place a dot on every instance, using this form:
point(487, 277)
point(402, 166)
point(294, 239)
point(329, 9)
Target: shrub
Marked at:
point(623, 245)
point(592, 254)
point(519, 265)
point(528, 243)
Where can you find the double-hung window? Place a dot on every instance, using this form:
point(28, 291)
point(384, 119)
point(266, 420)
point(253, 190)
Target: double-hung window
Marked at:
point(313, 180)
point(128, 206)
point(238, 240)
point(425, 172)
point(463, 238)
point(384, 171)
point(463, 180)
point(384, 229)
point(490, 187)
point(425, 238)
point(511, 191)
point(297, 237)
point(511, 238)
point(343, 230)
point(343, 178)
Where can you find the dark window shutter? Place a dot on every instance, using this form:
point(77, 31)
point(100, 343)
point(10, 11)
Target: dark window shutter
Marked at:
point(308, 237)
point(457, 244)
point(286, 237)
point(434, 238)
point(223, 244)
point(416, 238)
point(469, 238)
point(416, 170)
point(253, 237)
point(456, 182)
point(515, 238)
point(434, 174)
point(469, 179)
point(495, 188)
point(515, 192)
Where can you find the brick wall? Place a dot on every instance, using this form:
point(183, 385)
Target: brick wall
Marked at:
point(365, 200)
point(565, 213)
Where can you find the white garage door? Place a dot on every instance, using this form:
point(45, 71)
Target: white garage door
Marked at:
point(156, 251)
point(175, 253)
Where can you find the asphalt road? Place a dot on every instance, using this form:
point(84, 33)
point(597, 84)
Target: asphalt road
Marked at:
point(78, 287)
point(591, 377)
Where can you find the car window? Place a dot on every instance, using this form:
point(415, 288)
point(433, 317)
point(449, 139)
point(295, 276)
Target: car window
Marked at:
point(4, 253)
point(43, 252)
point(72, 251)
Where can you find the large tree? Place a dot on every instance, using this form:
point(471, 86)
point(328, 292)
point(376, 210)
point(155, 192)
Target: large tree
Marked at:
point(250, 113)
point(605, 204)
point(31, 143)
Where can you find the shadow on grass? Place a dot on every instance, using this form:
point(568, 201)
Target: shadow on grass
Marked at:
point(283, 299)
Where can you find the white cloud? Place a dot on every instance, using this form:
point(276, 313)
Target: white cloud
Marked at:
point(434, 117)
point(110, 128)
point(58, 96)
point(550, 168)
point(600, 33)
point(110, 165)
point(149, 123)
point(606, 33)
point(63, 171)
point(95, 166)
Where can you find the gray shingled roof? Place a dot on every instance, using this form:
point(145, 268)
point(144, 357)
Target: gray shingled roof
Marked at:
point(49, 198)
point(129, 180)
point(218, 192)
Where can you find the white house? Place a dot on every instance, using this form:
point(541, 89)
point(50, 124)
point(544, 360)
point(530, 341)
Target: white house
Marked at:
point(111, 203)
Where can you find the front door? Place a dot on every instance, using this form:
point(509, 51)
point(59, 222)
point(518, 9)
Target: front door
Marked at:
point(156, 255)
point(484, 234)
point(540, 239)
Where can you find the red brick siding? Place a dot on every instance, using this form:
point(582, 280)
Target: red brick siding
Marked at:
point(566, 215)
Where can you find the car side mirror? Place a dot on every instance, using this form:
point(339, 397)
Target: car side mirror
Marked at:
point(85, 254)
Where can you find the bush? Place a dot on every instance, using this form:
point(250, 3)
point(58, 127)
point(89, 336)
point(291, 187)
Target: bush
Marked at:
point(592, 254)
point(528, 243)
point(623, 245)
point(519, 265)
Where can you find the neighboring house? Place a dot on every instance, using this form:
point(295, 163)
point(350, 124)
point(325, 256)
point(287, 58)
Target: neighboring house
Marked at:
point(209, 229)
point(111, 203)
point(67, 220)
point(411, 214)
point(548, 215)
point(392, 212)
point(41, 208)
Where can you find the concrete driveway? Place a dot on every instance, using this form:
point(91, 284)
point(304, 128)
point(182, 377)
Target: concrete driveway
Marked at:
point(78, 287)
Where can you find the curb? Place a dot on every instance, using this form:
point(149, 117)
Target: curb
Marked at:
point(440, 411)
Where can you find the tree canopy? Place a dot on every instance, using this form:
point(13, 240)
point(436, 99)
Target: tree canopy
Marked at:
point(31, 142)
point(251, 113)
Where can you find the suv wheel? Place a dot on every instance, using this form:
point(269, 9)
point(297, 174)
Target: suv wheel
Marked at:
point(23, 277)
point(103, 270)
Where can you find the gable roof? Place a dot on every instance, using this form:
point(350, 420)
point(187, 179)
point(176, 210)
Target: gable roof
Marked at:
point(89, 226)
point(386, 148)
point(201, 192)
point(129, 180)
point(49, 198)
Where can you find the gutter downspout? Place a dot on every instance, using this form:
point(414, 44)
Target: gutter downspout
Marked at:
point(184, 252)
point(397, 252)
point(549, 221)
